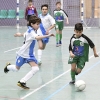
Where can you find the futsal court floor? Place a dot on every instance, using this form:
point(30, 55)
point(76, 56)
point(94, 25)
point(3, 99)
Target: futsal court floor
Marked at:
point(52, 80)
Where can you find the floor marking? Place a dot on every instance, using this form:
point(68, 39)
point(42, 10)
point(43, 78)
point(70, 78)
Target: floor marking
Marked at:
point(9, 98)
point(66, 85)
point(44, 85)
point(11, 49)
point(50, 81)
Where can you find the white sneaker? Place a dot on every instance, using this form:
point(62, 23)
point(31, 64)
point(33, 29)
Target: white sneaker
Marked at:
point(39, 63)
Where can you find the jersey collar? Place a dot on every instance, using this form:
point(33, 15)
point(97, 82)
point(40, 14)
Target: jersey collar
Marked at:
point(30, 29)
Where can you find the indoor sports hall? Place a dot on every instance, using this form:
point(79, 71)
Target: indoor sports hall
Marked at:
point(51, 82)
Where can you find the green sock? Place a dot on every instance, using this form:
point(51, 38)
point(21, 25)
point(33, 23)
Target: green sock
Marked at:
point(60, 35)
point(73, 75)
point(57, 36)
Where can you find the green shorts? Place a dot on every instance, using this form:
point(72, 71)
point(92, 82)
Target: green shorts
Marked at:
point(59, 25)
point(79, 60)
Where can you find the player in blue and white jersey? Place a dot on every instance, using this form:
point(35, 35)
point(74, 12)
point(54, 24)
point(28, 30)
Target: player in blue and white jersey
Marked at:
point(47, 23)
point(25, 54)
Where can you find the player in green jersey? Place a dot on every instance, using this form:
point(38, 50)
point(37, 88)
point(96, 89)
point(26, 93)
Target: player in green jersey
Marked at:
point(59, 15)
point(79, 50)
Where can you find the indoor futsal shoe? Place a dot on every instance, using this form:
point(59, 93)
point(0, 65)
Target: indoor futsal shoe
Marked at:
point(22, 85)
point(39, 63)
point(72, 82)
point(60, 43)
point(57, 45)
point(5, 69)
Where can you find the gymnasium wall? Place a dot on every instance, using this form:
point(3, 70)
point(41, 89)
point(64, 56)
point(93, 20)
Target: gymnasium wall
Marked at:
point(71, 7)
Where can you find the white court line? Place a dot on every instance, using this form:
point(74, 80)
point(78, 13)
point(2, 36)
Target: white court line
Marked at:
point(11, 89)
point(11, 49)
point(50, 81)
point(45, 84)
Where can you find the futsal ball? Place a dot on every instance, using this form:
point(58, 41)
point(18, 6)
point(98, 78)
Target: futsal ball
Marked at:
point(80, 85)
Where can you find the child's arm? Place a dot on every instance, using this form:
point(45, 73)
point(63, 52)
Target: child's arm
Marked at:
point(70, 48)
point(67, 20)
point(52, 22)
point(44, 36)
point(66, 17)
point(91, 44)
point(51, 27)
point(95, 53)
point(19, 34)
point(71, 54)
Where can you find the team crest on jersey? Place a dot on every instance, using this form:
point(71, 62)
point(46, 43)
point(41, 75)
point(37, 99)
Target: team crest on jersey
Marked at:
point(81, 44)
point(61, 14)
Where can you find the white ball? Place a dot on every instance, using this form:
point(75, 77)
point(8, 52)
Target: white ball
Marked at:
point(80, 85)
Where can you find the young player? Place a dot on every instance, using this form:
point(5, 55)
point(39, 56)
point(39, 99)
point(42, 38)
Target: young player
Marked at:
point(79, 50)
point(47, 23)
point(59, 16)
point(25, 54)
point(30, 10)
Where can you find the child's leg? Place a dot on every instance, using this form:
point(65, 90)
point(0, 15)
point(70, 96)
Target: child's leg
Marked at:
point(39, 53)
point(19, 62)
point(57, 34)
point(60, 37)
point(22, 82)
point(33, 71)
point(61, 25)
point(78, 71)
point(41, 48)
point(13, 68)
point(80, 65)
point(57, 37)
point(10, 67)
point(73, 68)
point(30, 74)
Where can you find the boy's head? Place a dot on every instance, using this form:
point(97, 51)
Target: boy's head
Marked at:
point(58, 5)
point(34, 22)
point(30, 3)
point(78, 29)
point(44, 9)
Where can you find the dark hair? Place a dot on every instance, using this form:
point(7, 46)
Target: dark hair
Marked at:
point(30, 1)
point(58, 2)
point(44, 5)
point(34, 19)
point(79, 27)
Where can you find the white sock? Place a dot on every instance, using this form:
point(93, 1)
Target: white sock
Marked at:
point(30, 74)
point(12, 68)
point(39, 54)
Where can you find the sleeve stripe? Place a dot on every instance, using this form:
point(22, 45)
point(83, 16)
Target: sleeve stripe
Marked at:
point(65, 12)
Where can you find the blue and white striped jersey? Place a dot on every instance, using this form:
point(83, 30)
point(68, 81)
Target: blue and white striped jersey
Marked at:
point(27, 50)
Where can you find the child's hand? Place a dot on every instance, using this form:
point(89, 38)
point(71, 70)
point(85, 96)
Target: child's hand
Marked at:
point(52, 34)
point(17, 34)
point(96, 55)
point(72, 55)
point(47, 32)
